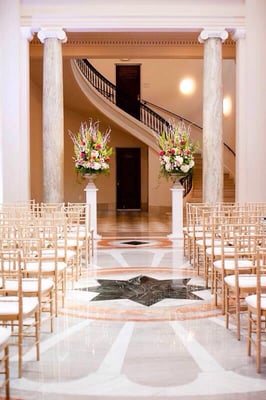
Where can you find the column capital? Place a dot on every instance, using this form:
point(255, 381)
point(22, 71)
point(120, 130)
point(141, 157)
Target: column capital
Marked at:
point(213, 34)
point(56, 33)
point(26, 33)
point(239, 33)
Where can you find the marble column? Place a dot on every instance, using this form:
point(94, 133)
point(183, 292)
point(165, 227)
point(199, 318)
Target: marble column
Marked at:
point(212, 115)
point(53, 115)
point(242, 133)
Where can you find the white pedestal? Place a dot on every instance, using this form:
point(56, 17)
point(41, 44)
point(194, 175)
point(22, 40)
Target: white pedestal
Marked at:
point(177, 212)
point(91, 200)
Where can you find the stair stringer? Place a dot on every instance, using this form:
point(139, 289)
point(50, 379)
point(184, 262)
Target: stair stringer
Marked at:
point(114, 113)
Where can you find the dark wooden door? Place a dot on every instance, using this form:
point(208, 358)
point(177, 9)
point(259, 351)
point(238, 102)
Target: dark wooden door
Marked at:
point(128, 179)
point(128, 89)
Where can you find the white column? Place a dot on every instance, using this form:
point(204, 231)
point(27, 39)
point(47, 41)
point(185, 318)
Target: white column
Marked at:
point(91, 200)
point(255, 89)
point(242, 133)
point(10, 168)
point(24, 137)
point(53, 115)
point(177, 212)
point(212, 115)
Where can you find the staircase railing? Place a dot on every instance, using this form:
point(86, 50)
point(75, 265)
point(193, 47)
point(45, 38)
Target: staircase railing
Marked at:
point(147, 116)
point(177, 116)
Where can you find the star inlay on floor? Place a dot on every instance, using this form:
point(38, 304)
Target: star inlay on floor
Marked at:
point(144, 289)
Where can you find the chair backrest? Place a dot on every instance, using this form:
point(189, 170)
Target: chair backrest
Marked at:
point(11, 270)
point(260, 271)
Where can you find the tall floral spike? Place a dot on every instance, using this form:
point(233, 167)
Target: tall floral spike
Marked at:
point(176, 152)
point(91, 152)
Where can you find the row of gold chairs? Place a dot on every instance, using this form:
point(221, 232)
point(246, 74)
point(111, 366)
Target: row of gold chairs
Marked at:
point(41, 245)
point(226, 245)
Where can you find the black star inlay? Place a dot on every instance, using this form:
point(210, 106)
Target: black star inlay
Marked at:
point(143, 290)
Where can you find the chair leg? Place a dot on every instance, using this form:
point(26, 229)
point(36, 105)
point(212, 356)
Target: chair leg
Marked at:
point(237, 300)
point(249, 333)
point(258, 344)
point(7, 384)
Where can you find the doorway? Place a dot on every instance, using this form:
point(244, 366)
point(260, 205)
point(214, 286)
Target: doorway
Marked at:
point(128, 179)
point(128, 89)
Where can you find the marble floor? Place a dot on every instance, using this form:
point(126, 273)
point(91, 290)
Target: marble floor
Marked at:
point(140, 325)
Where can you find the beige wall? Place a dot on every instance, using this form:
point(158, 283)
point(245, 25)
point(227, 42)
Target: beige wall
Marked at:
point(159, 84)
point(160, 79)
point(74, 186)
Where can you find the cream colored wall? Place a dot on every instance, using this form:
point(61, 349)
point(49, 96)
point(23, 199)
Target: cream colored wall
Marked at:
point(74, 186)
point(159, 84)
point(106, 195)
point(159, 187)
point(160, 79)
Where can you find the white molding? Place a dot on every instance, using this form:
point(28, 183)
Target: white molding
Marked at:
point(132, 23)
point(27, 33)
point(239, 33)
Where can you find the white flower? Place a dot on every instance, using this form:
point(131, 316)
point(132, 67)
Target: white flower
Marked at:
point(96, 166)
point(168, 167)
point(105, 165)
point(166, 159)
point(179, 160)
point(191, 164)
point(185, 168)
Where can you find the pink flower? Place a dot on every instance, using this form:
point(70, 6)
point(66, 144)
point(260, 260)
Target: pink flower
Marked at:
point(161, 153)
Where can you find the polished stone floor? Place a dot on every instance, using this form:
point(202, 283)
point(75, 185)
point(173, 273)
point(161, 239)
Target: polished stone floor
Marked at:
point(125, 346)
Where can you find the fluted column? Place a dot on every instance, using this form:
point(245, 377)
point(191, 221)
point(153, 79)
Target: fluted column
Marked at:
point(212, 115)
point(53, 115)
point(242, 133)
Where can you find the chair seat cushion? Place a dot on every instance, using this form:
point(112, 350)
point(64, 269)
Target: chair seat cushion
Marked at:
point(217, 251)
point(4, 337)
point(30, 285)
point(60, 254)
point(46, 266)
point(208, 242)
point(70, 243)
point(9, 305)
point(229, 264)
point(252, 301)
point(244, 281)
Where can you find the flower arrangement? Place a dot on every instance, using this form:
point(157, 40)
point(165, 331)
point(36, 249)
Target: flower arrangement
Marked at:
point(92, 154)
point(176, 153)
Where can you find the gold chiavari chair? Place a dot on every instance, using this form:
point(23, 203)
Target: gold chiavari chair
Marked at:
point(53, 259)
point(225, 265)
point(4, 360)
point(256, 305)
point(240, 284)
point(18, 312)
point(84, 230)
